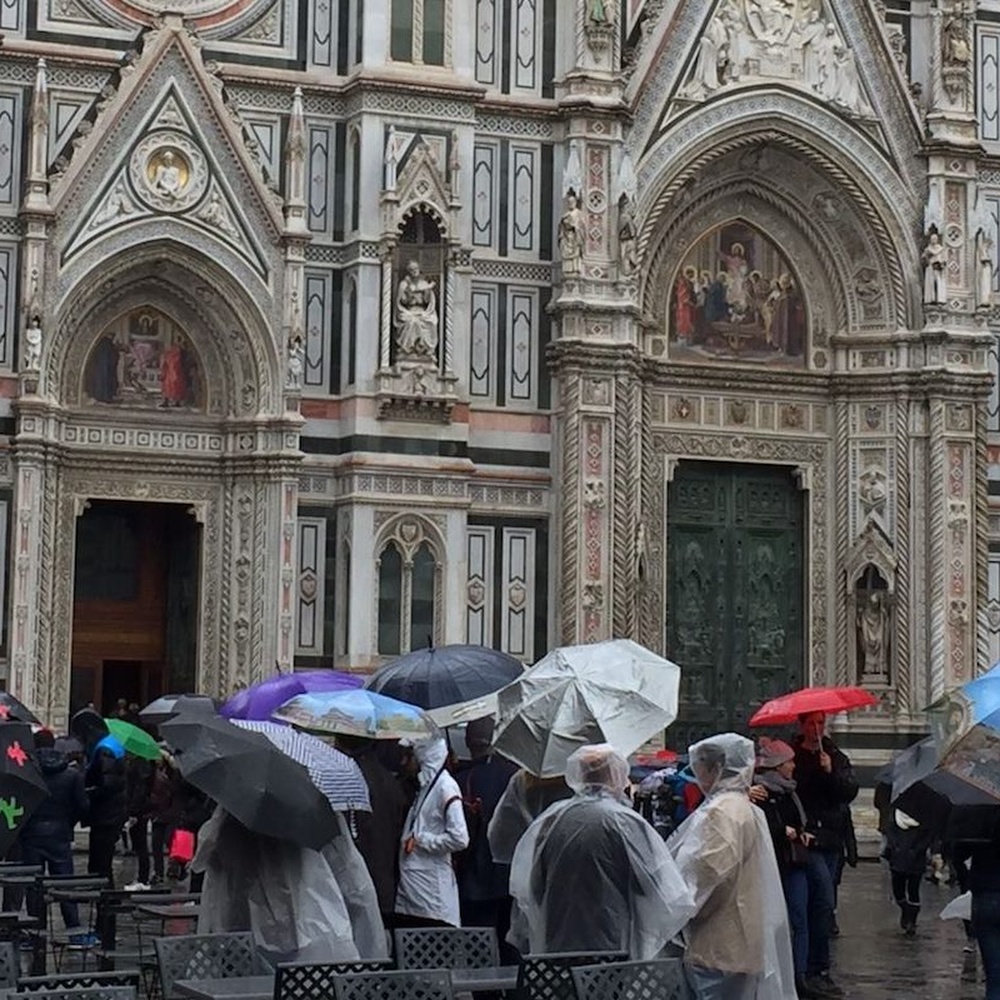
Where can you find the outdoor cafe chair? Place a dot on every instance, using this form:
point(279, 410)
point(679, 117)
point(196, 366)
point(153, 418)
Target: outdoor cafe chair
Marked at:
point(96, 992)
point(206, 956)
point(10, 965)
point(70, 981)
point(549, 977)
point(409, 984)
point(660, 980)
point(309, 980)
point(447, 948)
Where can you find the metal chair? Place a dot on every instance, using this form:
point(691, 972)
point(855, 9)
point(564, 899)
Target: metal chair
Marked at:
point(205, 956)
point(10, 965)
point(411, 984)
point(549, 977)
point(78, 981)
point(84, 993)
point(307, 980)
point(662, 980)
point(447, 948)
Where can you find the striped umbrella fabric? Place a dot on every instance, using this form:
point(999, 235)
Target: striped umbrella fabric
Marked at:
point(334, 773)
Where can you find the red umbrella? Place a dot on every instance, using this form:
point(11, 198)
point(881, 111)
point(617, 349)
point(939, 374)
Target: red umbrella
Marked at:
point(830, 700)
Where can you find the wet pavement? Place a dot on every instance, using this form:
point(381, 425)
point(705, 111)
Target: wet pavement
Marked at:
point(874, 960)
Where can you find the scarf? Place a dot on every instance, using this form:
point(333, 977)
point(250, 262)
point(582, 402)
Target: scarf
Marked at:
point(779, 785)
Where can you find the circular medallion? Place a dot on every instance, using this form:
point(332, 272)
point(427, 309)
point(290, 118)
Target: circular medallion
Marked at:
point(168, 171)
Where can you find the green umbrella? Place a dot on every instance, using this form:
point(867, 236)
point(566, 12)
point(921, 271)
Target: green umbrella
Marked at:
point(136, 741)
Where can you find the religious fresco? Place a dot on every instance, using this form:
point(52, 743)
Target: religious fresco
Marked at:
point(144, 359)
point(736, 297)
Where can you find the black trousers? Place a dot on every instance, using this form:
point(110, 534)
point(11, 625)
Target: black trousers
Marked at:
point(906, 888)
point(102, 850)
point(139, 835)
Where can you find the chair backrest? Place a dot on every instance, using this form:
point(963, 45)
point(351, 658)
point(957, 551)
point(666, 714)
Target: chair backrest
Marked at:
point(204, 956)
point(411, 984)
point(308, 980)
point(10, 965)
point(548, 977)
point(86, 993)
point(447, 948)
point(662, 980)
point(77, 981)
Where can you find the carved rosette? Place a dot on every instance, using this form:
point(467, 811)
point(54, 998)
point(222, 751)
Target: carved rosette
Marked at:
point(168, 171)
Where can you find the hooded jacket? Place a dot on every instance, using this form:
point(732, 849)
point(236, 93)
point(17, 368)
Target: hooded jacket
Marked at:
point(54, 819)
point(106, 783)
point(436, 821)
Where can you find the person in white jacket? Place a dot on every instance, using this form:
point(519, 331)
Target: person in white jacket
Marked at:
point(434, 830)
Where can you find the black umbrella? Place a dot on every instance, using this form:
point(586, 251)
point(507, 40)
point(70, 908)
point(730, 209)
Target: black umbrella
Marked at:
point(246, 774)
point(12, 710)
point(168, 706)
point(450, 675)
point(955, 808)
point(22, 785)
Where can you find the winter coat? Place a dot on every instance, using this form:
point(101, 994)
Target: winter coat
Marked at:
point(106, 784)
point(54, 819)
point(906, 849)
point(483, 782)
point(379, 832)
point(162, 807)
point(827, 797)
point(139, 784)
point(427, 884)
point(781, 811)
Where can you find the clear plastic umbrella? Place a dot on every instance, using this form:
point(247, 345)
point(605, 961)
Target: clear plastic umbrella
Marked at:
point(615, 692)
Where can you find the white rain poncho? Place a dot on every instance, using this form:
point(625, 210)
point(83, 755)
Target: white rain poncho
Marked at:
point(590, 874)
point(301, 905)
point(436, 821)
point(724, 850)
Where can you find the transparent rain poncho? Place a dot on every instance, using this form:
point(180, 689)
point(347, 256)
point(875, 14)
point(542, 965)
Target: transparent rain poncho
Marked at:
point(524, 799)
point(725, 854)
point(301, 905)
point(590, 874)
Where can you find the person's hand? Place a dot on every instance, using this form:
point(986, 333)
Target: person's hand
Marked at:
point(825, 761)
point(791, 833)
point(410, 845)
point(758, 793)
point(807, 839)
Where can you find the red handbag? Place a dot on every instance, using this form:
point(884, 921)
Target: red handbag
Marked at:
point(182, 846)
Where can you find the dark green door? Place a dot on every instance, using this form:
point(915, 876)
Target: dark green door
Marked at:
point(734, 593)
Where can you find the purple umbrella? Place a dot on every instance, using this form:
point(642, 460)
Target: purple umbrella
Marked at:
point(258, 701)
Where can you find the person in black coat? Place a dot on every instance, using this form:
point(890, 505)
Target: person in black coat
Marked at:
point(826, 786)
point(106, 788)
point(984, 884)
point(47, 837)
point(906, 849)
point(139, 784)
point(380, 831)
point(483, 890)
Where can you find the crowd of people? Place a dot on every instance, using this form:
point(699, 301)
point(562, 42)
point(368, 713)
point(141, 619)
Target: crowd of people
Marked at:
point(744, 890)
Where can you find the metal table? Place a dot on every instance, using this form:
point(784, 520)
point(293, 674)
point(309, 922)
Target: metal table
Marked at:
point(232, 988)
point(495, 979)
point(170, 911)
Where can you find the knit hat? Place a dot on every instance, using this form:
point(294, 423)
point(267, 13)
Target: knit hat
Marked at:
point(773, 753)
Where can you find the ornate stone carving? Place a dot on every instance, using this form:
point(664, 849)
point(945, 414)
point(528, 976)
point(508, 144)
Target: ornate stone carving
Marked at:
point(872, 491)
point(798, 43)
point(169, 171)
point(599, 24)
point(33, 345)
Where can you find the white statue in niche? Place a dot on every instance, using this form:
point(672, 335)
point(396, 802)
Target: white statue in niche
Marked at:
point(391, 159)
point(416, 314)
point(295, 363)
point(984, 269)
point(168, 179)
point(935, 258)
point(33, 345)
point(873, 635)
point(571, 236)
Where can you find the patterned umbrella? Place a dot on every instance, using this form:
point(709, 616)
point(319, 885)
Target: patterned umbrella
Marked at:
point(358, 713)
point(335, 774)
point(12, 710)
point(22, 785)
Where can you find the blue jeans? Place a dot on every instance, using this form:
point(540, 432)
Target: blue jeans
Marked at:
point(986, 925)
point(57, 859)
point(820, 874)
point(795, 883)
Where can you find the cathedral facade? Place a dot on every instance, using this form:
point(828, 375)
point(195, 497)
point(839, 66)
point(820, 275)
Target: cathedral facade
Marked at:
point(333, 328)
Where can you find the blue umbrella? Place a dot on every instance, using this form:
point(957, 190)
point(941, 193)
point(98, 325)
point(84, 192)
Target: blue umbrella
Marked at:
point(447, 675)
point(259, 701)
point(357, 713)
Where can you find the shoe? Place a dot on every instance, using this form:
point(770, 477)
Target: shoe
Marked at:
point(969, 948)
point(910, 930)
point(87, 940)
point(823, 986)
point(138, 887)
point(804, 992)
point(155, 881)
point(26, 945)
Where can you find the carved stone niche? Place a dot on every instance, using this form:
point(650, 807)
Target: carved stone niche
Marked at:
point(415, 380)
point(871, 599)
